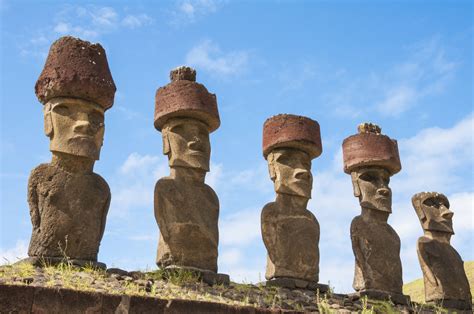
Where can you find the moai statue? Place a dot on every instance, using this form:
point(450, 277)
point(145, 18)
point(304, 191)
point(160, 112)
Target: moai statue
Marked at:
point(289, 230)
point(445, 280)
point(68, 201)
point(187, 209)
point(371, 159)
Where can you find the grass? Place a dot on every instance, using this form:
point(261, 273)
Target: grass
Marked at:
point(416, 289)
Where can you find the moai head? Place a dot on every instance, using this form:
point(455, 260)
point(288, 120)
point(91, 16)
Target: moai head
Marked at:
point(76, 88)
point(289, 144)
point(185, 113)
point(371, 158)
point(433, 211)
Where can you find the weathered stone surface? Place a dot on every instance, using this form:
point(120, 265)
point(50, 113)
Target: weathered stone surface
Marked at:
point(16, 299)
point(370, 148)
point(292, 283)
point(68, 202)
point(289, 143)
point(371, 158)
point(76, 68)
point(186, 209)
point(185, 98)
point(291, 131)
point(375, 294)
point(68, 212)
point(443, 272)
point(376, 248)
point(24, 299)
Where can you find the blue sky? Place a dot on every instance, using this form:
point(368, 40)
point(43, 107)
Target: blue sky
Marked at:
point(404, 65)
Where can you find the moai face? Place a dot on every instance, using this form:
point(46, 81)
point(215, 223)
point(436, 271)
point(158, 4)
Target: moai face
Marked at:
point(290, 170)
point(74, 126)
point(186, 142)
point(371, 187)
point(433, 211)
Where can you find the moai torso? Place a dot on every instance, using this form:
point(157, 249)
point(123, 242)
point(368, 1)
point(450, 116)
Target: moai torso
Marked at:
point(68, 212)
point(443, 271)
point(187, 214)
point(376, 248)
point(291, 237)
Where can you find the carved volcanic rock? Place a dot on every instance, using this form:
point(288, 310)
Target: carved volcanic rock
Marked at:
point(370, 149)
point(76, 68)
point(286, 130)
point(185, 98)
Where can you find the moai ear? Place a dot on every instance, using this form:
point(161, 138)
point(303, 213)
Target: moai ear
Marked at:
point(48, 121)
point(355, 184)
point(271, 166)
point(166, 142)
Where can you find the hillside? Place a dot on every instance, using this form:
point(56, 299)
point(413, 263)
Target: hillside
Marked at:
point(416, 290)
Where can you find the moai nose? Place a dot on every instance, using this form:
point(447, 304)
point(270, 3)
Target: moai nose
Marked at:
point(302, 174)
point(82, 126)
point(445, 212)
point(384, 192)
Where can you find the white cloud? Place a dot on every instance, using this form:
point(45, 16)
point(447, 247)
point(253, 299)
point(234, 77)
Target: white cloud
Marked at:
point(88, 22)
point(230, 257)
point(295, 77)
point(12, 255)
point(189, 11)
point(240, 228)
point(424, 73)
point(208, 56)
point(133, 186)
point(135, 21)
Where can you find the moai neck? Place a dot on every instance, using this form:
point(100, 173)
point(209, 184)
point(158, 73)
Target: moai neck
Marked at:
point(72, 163)
point(188, 174)
point(443, 237)
point(291, 201)
point(370, 214)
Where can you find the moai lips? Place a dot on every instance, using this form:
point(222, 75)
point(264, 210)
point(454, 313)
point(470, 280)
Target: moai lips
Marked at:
point(68, 202)
point(187, 209)
point(289, 144)
point(444, 277)
point(371, 158)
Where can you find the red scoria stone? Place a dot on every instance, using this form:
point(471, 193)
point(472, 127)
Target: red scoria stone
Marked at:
point(292, 131)
point(79, 69)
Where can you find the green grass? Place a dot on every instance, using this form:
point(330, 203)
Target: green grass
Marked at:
point(416, 289)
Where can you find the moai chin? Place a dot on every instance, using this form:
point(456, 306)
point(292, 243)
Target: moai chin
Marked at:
point(187, 209)
point(289, 230)
point(68, 201)
point(371, 159)
point(444, 277)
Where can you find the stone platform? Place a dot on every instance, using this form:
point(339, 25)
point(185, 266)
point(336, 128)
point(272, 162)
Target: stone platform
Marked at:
point(293, 283)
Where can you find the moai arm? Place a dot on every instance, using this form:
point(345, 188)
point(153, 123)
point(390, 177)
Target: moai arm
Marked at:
point(105, 210)
point(425, 261)
point(35, 213)
point(269, 230)
point(362, 253)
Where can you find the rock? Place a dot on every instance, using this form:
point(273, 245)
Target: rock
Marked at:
point(117, 271)
point(289, 144)
point(371, 158)
point(186, 209)
point(444, 276)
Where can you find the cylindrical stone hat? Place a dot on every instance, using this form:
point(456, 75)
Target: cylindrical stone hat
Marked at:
point(292, 131)
point(185, 98)
point(370, 148)
point(79, 69)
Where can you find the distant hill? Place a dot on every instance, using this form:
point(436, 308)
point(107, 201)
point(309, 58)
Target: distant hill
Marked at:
point(416, 289)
